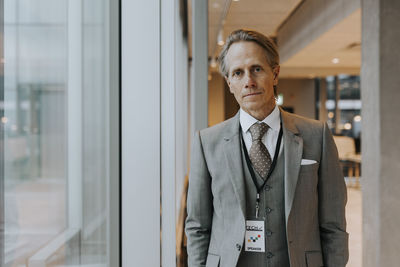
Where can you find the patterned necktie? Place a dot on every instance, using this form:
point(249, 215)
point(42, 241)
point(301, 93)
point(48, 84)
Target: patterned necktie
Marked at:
point(259, 155)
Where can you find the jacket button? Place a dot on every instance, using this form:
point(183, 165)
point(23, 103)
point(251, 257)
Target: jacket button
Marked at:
point(267, 188)
point(269, 233)
point(239, 247)
point(269, 255)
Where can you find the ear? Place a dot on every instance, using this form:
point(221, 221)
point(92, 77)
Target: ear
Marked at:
point(276, 74)
point(229, 83)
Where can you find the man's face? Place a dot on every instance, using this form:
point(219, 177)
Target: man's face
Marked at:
point(250, 78)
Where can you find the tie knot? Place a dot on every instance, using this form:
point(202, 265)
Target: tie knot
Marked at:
point(257, 130)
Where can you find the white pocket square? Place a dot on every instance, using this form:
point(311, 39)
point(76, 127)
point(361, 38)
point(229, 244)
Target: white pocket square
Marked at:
point(307, 162)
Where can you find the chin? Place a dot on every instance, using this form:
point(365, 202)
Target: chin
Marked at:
point(257, 107)
point(253, 108)
point(254, 105)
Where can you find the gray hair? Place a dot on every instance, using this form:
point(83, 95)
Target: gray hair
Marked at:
point(265, 42)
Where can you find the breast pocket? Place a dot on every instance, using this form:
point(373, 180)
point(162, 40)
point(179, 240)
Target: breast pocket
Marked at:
point(212, 260)
point(309, 168)
point(308, 177)
point(314, 259)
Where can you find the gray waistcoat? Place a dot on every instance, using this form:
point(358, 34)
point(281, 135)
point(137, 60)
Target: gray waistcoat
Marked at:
point(272, 208)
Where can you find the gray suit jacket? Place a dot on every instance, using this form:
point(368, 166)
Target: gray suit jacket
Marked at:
point(315, 196)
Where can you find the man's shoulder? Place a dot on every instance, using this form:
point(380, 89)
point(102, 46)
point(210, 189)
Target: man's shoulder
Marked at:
point(301, 120)
point(220, 130)
point(308, 128)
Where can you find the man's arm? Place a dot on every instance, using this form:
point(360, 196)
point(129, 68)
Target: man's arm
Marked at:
point(199, 207)
point(332, 201)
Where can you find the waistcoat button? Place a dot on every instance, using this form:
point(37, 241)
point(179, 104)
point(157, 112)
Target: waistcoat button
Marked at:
point(238, 247)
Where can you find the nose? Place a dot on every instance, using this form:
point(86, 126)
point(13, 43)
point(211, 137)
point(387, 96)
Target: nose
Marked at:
point(249, 81)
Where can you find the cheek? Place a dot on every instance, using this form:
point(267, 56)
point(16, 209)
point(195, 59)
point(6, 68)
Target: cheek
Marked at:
point(268, 83)
point(234, 88)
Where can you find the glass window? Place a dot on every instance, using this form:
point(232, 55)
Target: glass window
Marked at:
point(348, 120)
point(55, 120)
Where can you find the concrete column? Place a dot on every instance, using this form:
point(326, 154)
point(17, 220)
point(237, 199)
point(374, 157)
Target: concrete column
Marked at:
point(199, 81)
point(140, 133)
point(323, 113)
point(380, 136)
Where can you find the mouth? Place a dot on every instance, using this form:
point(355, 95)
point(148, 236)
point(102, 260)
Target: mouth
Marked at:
point(252, 94)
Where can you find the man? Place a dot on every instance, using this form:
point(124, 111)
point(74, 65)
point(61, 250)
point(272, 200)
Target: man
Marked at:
point(265, 186)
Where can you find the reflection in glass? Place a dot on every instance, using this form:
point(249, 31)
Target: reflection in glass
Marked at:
point(56, 164)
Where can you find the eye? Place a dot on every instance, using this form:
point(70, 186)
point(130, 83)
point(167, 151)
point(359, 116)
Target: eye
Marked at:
point(236, 73)
point(257, 69)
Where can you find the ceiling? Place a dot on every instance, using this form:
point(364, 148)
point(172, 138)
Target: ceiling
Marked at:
point(264, 16)
point(336, 51)
point(342, 41)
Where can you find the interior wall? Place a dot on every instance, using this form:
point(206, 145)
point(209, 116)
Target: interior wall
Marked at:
point(216, 99)
point(231, 105)
point(298, 94)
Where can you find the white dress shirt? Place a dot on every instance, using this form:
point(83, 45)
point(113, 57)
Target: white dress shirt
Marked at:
point(269, 139)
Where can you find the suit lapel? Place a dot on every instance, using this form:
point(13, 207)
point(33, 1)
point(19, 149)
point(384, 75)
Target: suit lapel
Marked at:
point(293, 147)
point(233, 157)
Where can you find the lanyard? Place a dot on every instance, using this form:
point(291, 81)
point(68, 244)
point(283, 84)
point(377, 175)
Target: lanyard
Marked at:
point(250, 166)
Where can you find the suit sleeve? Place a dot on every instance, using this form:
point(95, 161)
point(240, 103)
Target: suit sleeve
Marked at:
point(332, 195)
point(199, 207)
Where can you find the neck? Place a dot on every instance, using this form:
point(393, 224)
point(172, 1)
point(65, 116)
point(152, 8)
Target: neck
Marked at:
point(261, 114)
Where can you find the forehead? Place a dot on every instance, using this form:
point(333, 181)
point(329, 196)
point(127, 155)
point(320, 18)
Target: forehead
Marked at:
point(245, 53)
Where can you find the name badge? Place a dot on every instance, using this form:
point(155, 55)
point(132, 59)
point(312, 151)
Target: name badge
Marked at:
point(255, 236)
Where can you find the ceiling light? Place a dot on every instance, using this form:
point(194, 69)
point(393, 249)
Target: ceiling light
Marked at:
point(357, 118)
point(347, 126)
point(279, 100)
point(220, 38)
point(236, 0)
point(216, 5)
point(335, 60)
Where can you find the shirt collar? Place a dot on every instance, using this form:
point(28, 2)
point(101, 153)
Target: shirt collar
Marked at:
point(273, 120)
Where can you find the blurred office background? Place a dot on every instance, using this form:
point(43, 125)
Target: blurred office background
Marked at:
point(99, 100)
point(56, 127)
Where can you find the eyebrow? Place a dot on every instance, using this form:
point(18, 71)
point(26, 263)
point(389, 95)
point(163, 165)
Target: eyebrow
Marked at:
point(252, 66)
point(256, 65)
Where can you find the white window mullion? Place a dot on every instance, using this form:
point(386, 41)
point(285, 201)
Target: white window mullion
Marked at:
point(140, 69)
